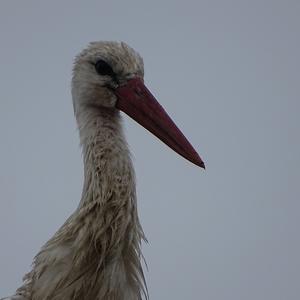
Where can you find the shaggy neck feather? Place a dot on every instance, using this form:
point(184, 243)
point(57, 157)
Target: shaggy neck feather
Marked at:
point(96, 253)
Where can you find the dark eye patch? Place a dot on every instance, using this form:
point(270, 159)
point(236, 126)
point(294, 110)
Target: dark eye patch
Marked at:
point(103, 68)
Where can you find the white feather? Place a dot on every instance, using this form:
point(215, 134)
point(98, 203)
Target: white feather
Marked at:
point(96, 253)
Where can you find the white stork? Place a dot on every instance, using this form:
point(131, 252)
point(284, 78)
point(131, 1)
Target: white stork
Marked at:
point(96, 254)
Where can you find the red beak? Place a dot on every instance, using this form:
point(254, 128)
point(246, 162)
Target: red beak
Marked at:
point(136, 101)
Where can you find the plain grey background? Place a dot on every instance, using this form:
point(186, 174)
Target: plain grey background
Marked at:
point(228, 74)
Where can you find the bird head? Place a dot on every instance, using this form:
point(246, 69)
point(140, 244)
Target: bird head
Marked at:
point(109, 76)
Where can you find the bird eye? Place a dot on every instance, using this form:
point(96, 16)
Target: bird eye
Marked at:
point(103, 68)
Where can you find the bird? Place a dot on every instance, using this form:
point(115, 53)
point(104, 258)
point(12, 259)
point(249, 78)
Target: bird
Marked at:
point(96, 254)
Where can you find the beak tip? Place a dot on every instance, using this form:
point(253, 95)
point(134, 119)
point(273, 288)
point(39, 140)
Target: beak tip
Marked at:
point(201, 164)
point(198, 162)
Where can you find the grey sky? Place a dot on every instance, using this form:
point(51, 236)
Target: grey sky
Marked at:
point(228, 73)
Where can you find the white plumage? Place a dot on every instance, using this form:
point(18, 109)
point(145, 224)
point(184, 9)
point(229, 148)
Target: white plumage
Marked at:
point(96, 253)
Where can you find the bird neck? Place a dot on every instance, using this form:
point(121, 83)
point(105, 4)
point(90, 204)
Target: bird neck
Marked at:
point(108, 205)
point(108, 170)
point(96, 254)
point(109, 179)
